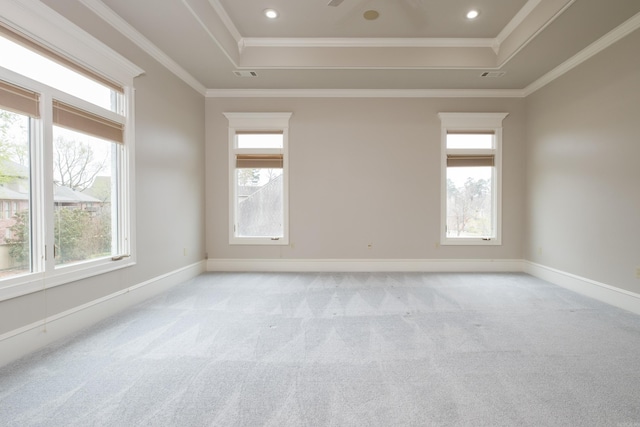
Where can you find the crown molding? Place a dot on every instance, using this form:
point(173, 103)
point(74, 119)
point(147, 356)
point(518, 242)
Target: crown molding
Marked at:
point(364, 93)
point(517, 20)
point(363, 42)
point(618, 33)
point(113, 19)
point(224, 17)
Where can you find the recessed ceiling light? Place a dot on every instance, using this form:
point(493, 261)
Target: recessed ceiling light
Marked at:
point(472, 14)
point(270, 13)
point(371, 15)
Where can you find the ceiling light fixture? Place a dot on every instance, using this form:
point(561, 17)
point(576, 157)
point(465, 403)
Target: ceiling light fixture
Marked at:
point(371, 15)
point(472, 14)
point(271, 13)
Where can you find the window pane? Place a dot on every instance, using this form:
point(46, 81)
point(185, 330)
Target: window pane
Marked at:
point(469, 141)
point(15, 189)
point(469, 202)
point(259, 195)
point(260, 140)
point(37, 67)
point(84, 196)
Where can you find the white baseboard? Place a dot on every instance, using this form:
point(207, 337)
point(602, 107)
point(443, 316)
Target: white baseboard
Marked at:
point(366, 265)
point(19, 342)
point(600, 291)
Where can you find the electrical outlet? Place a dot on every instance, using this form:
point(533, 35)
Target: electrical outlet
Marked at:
point(638, 272)
point(184, 251)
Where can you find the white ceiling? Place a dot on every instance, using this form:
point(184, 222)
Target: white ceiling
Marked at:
point(413, 45)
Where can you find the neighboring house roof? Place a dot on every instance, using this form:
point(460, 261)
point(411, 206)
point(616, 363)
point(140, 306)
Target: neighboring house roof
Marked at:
point(11, 168)
point(247, 190)
point(61, 194)
point(67, 195)
point(8, 194)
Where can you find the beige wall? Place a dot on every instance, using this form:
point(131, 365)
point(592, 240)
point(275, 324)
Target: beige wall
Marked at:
point(583, 151)
point(169, 186)
point(364, 171)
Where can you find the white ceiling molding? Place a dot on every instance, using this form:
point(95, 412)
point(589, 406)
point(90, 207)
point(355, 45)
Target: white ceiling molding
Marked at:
point(113, 19)
point(532, 25)
point(364, 93)
point(623, 30)
point(298, 53)
point(226, 20)
point(365, 42)
point(517, 20)
point(213, 25)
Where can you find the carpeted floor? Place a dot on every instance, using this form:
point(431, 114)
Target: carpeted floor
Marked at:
point(340, 350)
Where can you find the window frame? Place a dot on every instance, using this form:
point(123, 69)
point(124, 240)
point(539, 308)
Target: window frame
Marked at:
point(469, 123)
point(41, 24)
point(258, 122)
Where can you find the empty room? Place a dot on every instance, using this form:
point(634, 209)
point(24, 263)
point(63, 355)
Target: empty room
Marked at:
point(319, 213)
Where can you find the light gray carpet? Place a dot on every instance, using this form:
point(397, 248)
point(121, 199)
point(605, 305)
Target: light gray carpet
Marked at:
point(340, 350)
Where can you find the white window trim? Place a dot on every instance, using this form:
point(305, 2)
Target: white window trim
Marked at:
point(472, 122)
point(258, 122)
point(41, 23)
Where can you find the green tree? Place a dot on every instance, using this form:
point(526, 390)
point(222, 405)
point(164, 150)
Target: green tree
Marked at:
point(19, 243)
point(78, 235)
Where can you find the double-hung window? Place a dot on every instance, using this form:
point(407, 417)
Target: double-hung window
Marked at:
point(471, 178)
point(65, 158)
point(258, 176)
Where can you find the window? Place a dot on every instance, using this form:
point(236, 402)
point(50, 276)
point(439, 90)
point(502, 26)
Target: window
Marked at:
point(65, 156)
point(471, 178)
point(258, 176)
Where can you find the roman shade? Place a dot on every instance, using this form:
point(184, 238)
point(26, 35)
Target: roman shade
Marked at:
point(71, 117)
point(259, 161)
point(459, 160)
point(19, 100)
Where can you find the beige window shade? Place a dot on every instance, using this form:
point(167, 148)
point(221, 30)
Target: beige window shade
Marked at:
point(44, 51)
point(259, 161)
point(471, 132)
point(19, 100)
point(74, 118)
point(454, 160)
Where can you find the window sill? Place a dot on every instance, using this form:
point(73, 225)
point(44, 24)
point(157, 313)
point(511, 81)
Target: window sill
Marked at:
point(259, 241)
point(35, 282)
point(470, 242)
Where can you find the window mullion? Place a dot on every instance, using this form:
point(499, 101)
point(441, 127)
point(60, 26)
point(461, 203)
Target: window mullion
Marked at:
point(42, 190)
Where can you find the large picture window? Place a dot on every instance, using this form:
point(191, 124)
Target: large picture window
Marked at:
point(258, 178)
point(471, 178)
point(64, 167)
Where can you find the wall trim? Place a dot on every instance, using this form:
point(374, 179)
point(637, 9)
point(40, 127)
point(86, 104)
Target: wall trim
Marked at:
point(364, 93)
point(365, 265)
point(22, 341)
point(597, 290)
